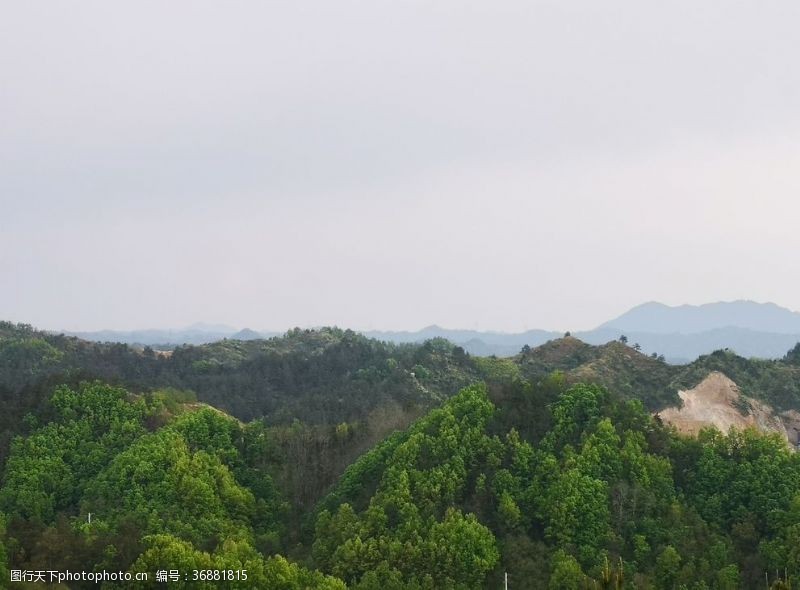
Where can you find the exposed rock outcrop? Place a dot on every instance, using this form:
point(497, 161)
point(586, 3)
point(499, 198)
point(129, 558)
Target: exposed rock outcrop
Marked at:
point(716, 401)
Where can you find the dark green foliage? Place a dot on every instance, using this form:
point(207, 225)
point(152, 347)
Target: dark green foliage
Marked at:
point(793, 356)
point(324, 376)
point(4, 574)
point(24, 359)
point(320, 376)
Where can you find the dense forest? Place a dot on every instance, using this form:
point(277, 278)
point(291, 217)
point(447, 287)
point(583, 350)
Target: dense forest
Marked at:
point(323, 459)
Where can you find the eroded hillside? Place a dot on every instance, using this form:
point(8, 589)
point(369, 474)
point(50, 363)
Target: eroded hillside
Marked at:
point(628, 372)
point(717, 401)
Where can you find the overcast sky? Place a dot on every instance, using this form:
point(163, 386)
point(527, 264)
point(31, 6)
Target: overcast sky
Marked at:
point(494, 165)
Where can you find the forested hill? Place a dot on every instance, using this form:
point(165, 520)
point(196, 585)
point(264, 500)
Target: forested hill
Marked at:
point(283, 377)
point(567, 487)
point(562, 488)
point(620, 367)
point(328, 376)
point(560, 483)
point(128, 483)
point(324, 376)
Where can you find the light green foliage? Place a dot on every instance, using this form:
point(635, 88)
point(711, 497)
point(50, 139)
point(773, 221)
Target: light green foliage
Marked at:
point(566, 573)
point(408, 530)
point(181, 484)
point(173, 399)
point(577, 512)
point(168, 488)
point(498, 370)
point(508, 511)
point(280, 574)
point(461, 550)
point(667, 567)
point(641, 549)
point(728, 578)
point(592, 490)
point(600, 454)
point(165, 552)
point(762, 467)
point(49, 470)
point(210, 431)
point(576, 411)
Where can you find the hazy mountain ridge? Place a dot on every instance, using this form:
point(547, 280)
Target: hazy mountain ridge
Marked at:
point(681, 333)
point(657, 318)
point(168, 338)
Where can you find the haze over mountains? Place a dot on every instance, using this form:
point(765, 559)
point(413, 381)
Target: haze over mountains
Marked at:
point(199, 333)
point(693, 319)
point(680, 333)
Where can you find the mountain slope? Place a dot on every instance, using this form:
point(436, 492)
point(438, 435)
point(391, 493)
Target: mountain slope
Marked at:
point(597, 495)
point(537, 474)
point(718, 402)
point(124, 483)
point(317, 377)
point(633, 374)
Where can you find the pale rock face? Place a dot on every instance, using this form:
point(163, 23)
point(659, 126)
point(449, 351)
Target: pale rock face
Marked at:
point(716, 401)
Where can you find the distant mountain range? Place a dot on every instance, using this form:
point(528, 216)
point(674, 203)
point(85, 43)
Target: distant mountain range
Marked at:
point(195, 334)
point(657, 318)
point(680, 333)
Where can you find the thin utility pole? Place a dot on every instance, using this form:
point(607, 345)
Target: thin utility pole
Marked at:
point(505, 584)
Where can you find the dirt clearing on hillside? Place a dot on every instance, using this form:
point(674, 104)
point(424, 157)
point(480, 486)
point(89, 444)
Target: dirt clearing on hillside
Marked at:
point(717, 402)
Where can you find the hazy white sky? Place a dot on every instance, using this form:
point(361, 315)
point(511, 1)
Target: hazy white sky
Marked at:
point(494, 165)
